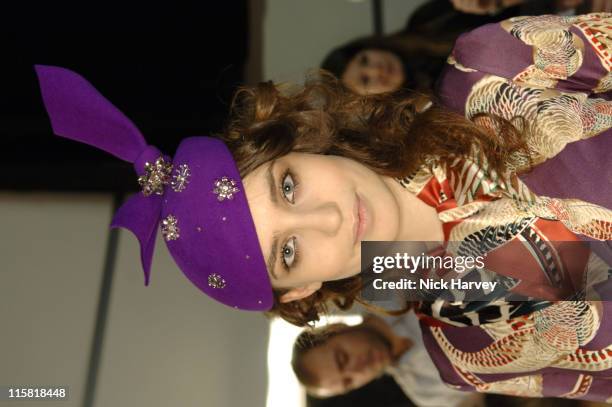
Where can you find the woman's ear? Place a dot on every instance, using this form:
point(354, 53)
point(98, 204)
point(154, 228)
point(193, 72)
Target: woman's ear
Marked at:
point(300, 292)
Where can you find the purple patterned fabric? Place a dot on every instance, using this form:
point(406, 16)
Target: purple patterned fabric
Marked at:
point(480, 50)
point(209, 232)
point(556, 382)
point(582, 169)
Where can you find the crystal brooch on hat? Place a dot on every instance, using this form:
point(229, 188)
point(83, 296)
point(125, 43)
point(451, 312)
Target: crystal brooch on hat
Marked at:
point(169, 228)
point(216, 281)
point(180, 179)
point(155, 177)
point(225, 188)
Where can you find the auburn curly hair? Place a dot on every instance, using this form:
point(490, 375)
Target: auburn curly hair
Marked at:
point(393, 134)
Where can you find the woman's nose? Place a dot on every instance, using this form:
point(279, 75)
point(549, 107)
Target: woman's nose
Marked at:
point(326, 218)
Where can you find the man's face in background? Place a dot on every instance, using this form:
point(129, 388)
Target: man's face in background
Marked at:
point(347, 360)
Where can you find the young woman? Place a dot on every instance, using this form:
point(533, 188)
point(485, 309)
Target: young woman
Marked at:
point(324, 168)
point(272, 219)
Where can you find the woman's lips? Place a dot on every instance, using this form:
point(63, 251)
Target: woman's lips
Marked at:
point(361, 219)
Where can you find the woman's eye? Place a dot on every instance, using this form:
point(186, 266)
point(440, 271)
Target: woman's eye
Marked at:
point(288, 187)
point(289, 254)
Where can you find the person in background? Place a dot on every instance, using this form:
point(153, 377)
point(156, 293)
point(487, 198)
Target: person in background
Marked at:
point(337, 358)
point(413, 58)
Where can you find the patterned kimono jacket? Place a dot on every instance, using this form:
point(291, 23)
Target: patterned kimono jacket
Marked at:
point(548, 347)
point(555, 72)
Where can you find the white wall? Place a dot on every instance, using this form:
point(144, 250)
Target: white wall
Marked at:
point(166, 344)
point(298, 34)
point(51, 249)
point(396, 13)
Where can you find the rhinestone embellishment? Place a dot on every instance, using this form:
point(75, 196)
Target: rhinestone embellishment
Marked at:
point(180, 179)
point(225, 188)
point(155, 177)
point(169, 228)
point(216, 281)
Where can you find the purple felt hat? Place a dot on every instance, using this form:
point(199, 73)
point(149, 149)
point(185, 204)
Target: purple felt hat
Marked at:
point(197, 196)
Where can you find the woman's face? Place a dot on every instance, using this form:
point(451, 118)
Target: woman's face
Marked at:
point(312, 211)
point(373, 71)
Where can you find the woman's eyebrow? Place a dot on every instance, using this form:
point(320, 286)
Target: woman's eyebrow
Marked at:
point(271, 263)
point(271, 182)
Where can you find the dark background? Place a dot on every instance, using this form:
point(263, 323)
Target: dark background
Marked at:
point(170, 67)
